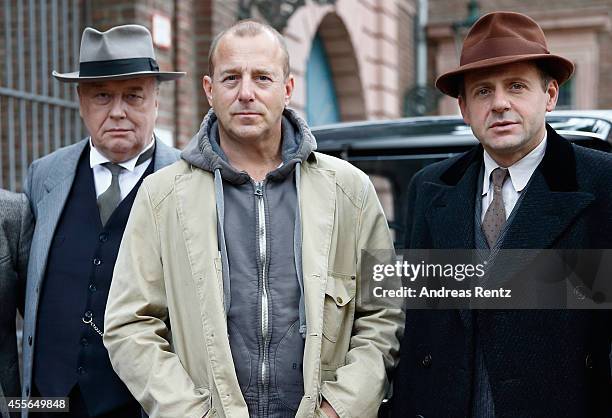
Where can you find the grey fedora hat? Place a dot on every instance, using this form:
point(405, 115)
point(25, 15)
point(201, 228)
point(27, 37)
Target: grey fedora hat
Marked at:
point(119, 53)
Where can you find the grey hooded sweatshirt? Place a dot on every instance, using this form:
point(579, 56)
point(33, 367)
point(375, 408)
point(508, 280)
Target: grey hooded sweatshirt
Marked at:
point(259, 233)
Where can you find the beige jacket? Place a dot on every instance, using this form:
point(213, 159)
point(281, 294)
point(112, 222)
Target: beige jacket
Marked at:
point(165, 326)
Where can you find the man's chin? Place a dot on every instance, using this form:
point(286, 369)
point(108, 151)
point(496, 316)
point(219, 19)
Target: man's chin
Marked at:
point(248, 132)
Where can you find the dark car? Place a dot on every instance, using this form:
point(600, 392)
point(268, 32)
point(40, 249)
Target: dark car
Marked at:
point(392, 151)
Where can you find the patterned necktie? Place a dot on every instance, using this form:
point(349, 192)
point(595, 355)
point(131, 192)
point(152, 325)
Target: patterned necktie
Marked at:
point(495, 217)
point(110, 199)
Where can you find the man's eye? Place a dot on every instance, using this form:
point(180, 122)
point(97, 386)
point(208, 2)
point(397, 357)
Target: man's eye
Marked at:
point(517, 86)
point(263, 78)
point(482, 92)
point(231, 78)
point(102, 98)
point(134, 97)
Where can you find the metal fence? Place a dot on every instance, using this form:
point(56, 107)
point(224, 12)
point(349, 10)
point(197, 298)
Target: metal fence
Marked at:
point(38, 114)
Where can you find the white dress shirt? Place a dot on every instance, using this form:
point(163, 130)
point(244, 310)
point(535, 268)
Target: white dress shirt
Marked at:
point(127, 178)
point(520, 173)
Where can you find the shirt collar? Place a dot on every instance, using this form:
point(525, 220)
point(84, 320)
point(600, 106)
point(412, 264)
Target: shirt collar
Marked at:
point(96, 158)
point(520, 171)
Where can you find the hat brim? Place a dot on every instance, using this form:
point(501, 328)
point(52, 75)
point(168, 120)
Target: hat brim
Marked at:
point(559, 68)
point(161, 76)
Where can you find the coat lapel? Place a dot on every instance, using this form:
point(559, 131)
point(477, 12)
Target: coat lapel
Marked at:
point(56, 188)
point(543, 215)
point(451, 218)
point(164, 155)
point(318, 210)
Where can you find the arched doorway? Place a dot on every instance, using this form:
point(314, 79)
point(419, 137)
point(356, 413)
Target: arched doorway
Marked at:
point(321, 99)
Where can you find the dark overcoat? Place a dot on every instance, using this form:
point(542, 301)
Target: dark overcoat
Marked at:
point(547, 363)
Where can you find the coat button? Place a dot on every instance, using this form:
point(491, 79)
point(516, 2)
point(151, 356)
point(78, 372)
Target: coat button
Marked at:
point(339, 300)
point(419, 416)
point(588, 361)
point(92, 287)
point(426, 361)
point(97, 261)
point(30, 340)
point(103, 237)
point(27, 391)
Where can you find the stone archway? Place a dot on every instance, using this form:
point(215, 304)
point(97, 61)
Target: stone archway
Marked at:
point(342, 58)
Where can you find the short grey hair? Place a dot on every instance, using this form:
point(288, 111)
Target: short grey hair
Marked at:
point(248, 28)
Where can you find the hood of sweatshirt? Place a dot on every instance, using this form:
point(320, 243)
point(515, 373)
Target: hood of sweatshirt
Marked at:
point(204, 150)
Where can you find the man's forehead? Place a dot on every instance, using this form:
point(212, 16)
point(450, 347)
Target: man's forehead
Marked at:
point(256, 49)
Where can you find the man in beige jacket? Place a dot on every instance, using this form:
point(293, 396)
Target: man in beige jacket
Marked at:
point(237, 287)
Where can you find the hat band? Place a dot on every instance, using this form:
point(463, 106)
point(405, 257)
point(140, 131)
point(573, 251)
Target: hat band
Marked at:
point(500, 47)
point(117, 67)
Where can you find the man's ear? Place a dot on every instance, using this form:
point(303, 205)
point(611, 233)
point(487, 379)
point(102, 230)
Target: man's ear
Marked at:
point(553, 95)
point(289, 86)
point(464, 111)
point(80, 104)
point(207, 85)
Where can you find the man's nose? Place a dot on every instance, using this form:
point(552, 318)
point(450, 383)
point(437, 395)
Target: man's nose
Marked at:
point(117, 108)
point(500, 101)
point(246, 90)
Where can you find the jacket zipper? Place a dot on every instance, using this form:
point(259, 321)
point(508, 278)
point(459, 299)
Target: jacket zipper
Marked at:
point(261, 213)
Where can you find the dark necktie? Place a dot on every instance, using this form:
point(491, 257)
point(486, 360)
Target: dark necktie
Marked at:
point(495, 217)
point(110, 199)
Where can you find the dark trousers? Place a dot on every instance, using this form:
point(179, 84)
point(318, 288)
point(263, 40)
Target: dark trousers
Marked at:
point(78, 409)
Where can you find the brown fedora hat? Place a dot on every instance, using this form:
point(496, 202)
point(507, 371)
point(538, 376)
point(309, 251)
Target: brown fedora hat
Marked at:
point(503, 38)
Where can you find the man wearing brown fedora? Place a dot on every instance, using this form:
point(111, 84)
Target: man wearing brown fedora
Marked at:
point(81, 196)
point(523, 187)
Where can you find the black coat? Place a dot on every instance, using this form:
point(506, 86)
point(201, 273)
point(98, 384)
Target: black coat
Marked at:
point(548, 363)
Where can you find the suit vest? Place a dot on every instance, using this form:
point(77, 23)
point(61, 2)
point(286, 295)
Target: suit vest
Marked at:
point(76, 284)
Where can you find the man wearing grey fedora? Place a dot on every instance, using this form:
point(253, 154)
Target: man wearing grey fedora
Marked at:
point(523, 187)
point(81, 197)
point(15, 236)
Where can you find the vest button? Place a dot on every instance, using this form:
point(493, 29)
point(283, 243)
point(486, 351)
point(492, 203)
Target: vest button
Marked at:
point(30, 340)
point(103, 237)
point(426, 361)
point(92, 287)
point(88, 314)
point(81, 370)
point(84, 342)
point(97, 261)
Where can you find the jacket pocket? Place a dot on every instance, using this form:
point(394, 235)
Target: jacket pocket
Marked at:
point(339, 292)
